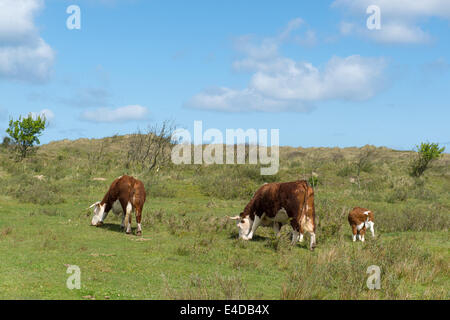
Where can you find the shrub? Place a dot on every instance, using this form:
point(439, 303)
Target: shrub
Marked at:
point(426, 153)
point(25, 133)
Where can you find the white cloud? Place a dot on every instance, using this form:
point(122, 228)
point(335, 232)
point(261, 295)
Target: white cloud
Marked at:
point(282, 84)
point(399, 19)
point(121, 114)
point(24, 55)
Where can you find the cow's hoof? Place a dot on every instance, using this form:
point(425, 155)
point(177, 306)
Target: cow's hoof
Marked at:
point(128, 232)
point(139, 233)
point(99, 224)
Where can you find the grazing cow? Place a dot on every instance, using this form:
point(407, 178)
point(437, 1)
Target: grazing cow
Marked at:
point(275, 204)
point(125, 195)
point(360, 219)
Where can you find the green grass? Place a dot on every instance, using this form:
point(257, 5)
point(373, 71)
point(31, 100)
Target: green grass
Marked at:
point(189, 249)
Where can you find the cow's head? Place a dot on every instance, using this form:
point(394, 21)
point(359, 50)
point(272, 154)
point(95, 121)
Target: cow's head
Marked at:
point(99, 214)
point(244, 224)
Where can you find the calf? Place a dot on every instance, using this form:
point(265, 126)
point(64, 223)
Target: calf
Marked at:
point(360, 219)
point(277, 204)
point(125, 195)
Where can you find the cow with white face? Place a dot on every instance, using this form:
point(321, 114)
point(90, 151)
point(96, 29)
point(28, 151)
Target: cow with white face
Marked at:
point(276, 204)
point(125, 195)
point(100, 213)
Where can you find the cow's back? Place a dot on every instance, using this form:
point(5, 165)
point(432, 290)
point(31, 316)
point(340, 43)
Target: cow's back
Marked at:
point(272, 197)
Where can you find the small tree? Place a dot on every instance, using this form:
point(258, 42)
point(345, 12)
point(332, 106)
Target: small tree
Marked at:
point(426, 153)
point(25, 133)
point(152, 150)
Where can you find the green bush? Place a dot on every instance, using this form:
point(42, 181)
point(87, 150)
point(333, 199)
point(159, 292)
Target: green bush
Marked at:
point(426, 153)
point(25, 133)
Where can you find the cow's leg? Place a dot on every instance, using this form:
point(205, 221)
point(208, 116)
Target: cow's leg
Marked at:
point(312, 243)
point(354, 232)
point(277, 228)
point(122, 225)
point(129, 210)
point(255, 226)
point(138, 221)
point(300, 239)
point(362, 232)
point(307, 225)
point(372, 230)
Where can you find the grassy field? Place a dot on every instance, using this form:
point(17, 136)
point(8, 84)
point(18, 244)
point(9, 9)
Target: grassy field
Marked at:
point(189, 249)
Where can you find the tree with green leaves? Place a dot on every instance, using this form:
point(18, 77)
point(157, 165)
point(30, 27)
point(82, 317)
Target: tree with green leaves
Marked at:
point(25, 133)
point(426, 153)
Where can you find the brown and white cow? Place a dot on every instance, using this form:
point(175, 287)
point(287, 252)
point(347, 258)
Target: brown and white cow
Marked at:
point(275, 204)
point(125, 195)
point(360, 219)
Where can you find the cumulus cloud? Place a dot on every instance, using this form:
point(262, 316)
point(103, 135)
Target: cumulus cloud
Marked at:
point(121, 114)
point(279, 83)
point(399, 19)
point(24, 55)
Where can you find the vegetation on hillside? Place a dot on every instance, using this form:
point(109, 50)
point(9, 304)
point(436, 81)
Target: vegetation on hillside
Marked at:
point(190, 249)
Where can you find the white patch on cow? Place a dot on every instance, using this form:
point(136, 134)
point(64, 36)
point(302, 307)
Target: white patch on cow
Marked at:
point(354, 237)
point(98, 214)
point(312, 244)
point(128, 216)
point(372, 230)
point(366, 213)
point(362, 238)
point(139, 227)
point(360, 226)
point(301, 238)
point(244, 226)
point(255, 226)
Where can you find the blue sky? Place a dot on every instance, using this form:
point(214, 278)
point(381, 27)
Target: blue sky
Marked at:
point(311, 69)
